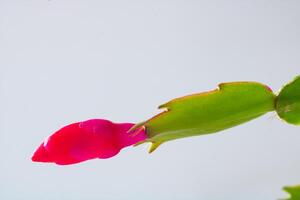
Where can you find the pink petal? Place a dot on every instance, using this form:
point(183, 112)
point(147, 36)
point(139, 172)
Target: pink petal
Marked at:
point(96, 138)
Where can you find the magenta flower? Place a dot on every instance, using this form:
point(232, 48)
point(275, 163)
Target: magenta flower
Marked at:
point(95, 138)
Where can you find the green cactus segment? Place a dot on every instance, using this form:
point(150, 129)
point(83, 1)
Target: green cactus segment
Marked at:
point(294, 192)
point(288, 102)
point(229, 105)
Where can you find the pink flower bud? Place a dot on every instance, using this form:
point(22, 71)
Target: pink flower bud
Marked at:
point(95, 138)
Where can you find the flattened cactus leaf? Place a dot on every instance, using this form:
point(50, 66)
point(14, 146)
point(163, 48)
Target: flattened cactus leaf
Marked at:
point(203, 113)
point(288, 102)
point(294, 192)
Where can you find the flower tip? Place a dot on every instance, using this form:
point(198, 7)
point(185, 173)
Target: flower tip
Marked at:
point(41, 155)
point(34, 158)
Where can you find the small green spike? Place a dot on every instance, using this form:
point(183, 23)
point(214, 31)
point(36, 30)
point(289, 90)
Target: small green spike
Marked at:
point(154, 146)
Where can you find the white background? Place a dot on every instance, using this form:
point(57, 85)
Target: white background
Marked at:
point(67, 61)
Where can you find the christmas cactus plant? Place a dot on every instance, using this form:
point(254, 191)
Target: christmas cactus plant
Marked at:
point(229, 105)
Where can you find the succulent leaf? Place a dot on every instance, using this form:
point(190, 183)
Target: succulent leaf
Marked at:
point(209, 112)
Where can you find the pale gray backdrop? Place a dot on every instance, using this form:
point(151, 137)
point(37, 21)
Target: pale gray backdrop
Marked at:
point(66, 61)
